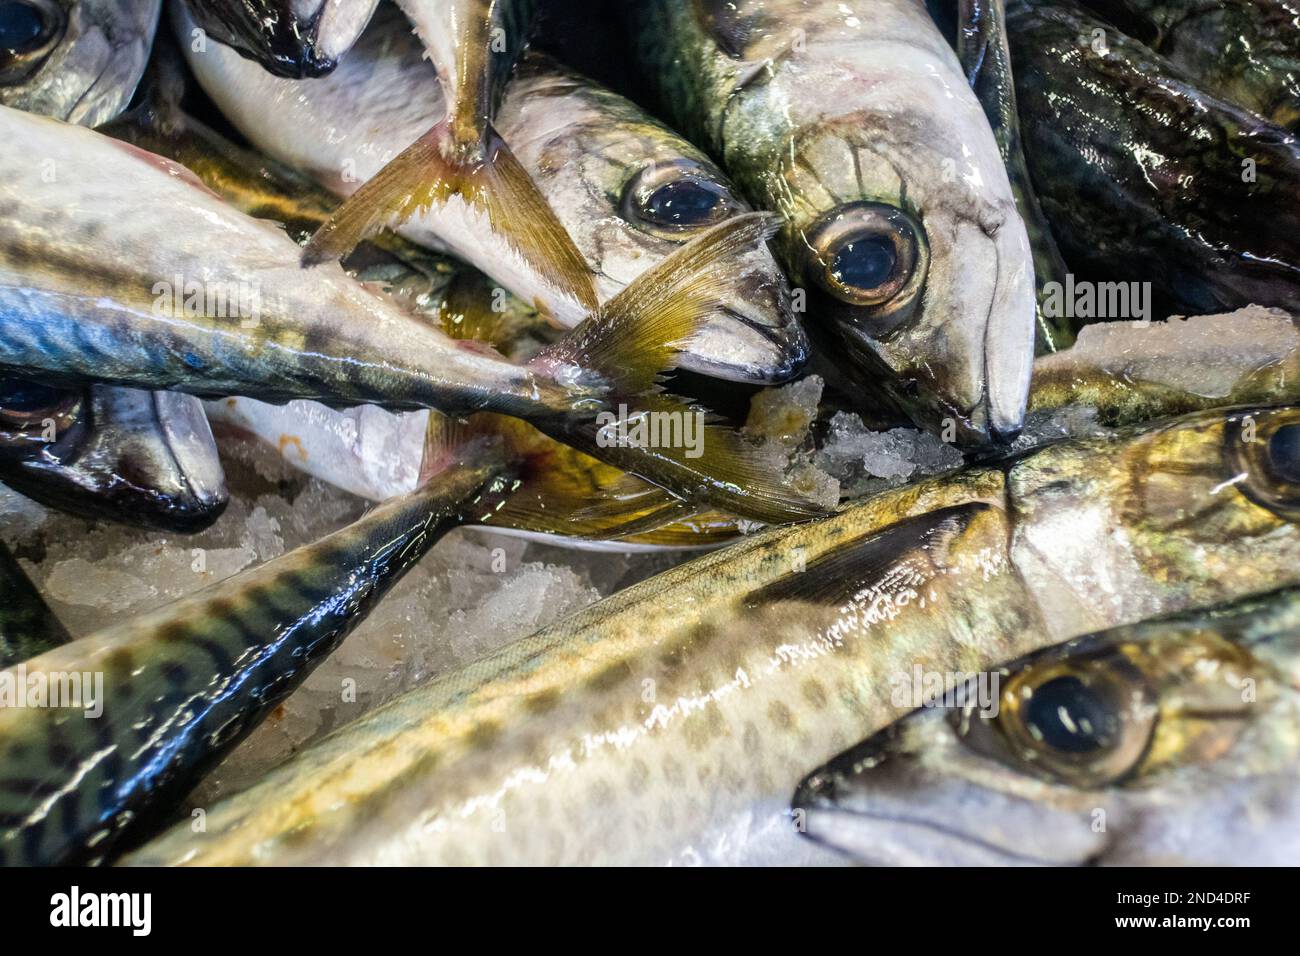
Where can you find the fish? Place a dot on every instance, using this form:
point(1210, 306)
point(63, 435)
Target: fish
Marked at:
point(1147, 180)
point(854, 121)
point(88, 292)
point(28, 627)
point(163, 697)
point(1132, 372)
point(672, 721)
point(1171, 742)
point(604, 186)
point(461, 165)
point(147, 459)
point(297, 39)
point(1244, 51)
point(76, 60)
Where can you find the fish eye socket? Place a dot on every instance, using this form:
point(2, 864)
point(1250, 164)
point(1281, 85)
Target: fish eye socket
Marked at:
point(1265, 448)
point(673, 200)
point(28, 409)
point(29, 30)
point(865, 254)
point(1086, 723)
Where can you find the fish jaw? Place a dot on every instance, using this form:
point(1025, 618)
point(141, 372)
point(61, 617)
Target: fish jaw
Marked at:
point(895, 801)
point(91, 74)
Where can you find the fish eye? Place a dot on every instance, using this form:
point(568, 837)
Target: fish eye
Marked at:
point(674, 199)
point(866, 254)
point(27, 409)
point(1264, 448)
point(29, 30)
point(1085, 723)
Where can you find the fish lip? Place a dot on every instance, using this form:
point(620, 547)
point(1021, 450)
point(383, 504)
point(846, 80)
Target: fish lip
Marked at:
point(786, 344)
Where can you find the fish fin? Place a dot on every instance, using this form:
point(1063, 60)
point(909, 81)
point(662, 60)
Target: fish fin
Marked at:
point(638, 334)
point(487, 177)
point(837, 575)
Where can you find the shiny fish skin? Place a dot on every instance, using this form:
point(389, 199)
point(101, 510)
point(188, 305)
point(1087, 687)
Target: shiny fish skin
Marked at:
point(1143, 176)
point(85, 63)
point(371, 123)
point(27, 626)
point(1203, 771)
point(854, 122)
point(121, 454)
point(182, 685)
point(1245, 51)
point(290, 38)
point(673, 720)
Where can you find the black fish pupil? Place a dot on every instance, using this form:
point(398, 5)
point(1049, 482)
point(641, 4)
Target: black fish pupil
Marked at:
point(865, 262)
point(683, 203)
point(1068, 716)
point(17, 395)
point(1284, 452)
point(21, 25)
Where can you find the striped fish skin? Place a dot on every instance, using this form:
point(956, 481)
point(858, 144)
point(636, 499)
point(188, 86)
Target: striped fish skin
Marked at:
point(82, 60)
point(27, 625)
point(1204, 771)
point(184, 684)
point(671, 722)
point(854, 121)
point(89, 291)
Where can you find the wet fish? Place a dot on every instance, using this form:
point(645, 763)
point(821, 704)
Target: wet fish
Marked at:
point(179, 687)
point(120, 454)
point(673, 720)
point(461, 169)
point(1132, 372)
point(1147, 179)
point(290, 38)
point(1171, 742)
point(1245, 51)
point(854, 121)
point(76, 60)
point(27, 626)
point(609, 184)
point(88, 292)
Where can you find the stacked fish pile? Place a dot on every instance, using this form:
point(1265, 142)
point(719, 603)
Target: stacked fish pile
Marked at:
point(659, 277)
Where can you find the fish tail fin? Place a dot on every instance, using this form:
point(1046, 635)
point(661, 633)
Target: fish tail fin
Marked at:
point(487, 177)
point(636, 336)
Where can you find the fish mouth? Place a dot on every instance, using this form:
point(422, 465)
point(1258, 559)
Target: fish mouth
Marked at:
point(942, 317)
point(199, 476)
point(338, 25)
point(881, 805)
point(737, 344)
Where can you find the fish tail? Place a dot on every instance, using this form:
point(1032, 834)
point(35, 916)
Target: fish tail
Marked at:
point(487, 177)
point(636, 336)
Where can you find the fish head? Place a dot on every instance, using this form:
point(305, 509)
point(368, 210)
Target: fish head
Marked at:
point(1166, 742)
point(630, 192)
point(296, 39)
point(75, 60)
point(908, 245)
point(126, 455)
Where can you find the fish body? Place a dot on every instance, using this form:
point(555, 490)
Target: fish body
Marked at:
point(120, 454)
point(588, 180)
point(672, 721)
point(182, 685)
point(1145, 178)
point(290, 38)
point(1245, 51)
point(1171, 742)
point(76, 60)
point(855, 123)
point(27, 625)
